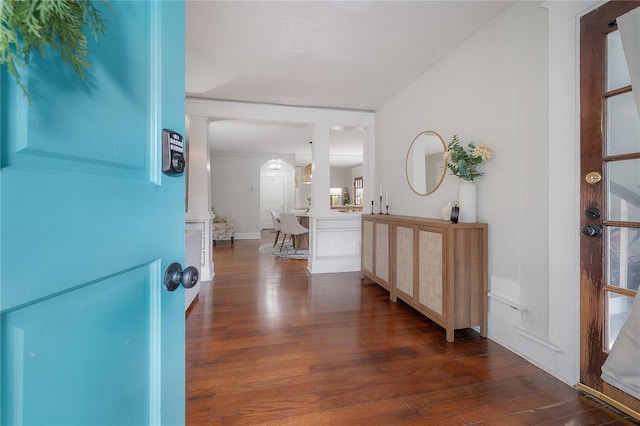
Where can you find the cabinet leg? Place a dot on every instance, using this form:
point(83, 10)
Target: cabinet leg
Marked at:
point(450, 335)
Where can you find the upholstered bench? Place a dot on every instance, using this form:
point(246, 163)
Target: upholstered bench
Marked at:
point(223, 229)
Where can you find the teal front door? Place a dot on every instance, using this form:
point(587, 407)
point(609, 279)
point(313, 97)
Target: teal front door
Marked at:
point(88, 224)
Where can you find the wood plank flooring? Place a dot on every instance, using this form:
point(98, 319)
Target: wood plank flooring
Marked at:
point(269, 343)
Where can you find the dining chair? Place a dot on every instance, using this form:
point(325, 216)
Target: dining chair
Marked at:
point(276, 225)
point(291, 226)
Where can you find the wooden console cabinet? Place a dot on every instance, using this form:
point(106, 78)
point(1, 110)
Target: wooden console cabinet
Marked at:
point(375, 250)
point(436, 267)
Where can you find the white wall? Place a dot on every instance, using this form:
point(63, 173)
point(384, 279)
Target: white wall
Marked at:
point(340, 177)
point(492, 89)
point(235, 189)
point(356, 172)
point(234, 175)
point(564, 188)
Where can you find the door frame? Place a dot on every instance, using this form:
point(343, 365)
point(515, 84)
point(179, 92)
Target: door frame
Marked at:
point(287, 172)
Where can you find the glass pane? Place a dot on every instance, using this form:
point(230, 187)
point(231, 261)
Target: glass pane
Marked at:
point(617, 71)
point(623, 190)
point(618, 307)
point(623, 257)
point(623, 125)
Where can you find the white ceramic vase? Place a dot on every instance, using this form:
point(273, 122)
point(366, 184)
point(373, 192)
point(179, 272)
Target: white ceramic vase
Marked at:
point(467, 198)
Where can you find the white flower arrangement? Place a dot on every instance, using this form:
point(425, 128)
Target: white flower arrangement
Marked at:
point(464, 163)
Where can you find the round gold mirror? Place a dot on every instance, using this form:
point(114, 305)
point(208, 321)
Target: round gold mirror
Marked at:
point(425, 166)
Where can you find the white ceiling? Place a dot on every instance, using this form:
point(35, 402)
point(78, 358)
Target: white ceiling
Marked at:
point(333, 54)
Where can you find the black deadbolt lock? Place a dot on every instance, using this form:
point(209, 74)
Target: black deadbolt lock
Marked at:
point(592, 212)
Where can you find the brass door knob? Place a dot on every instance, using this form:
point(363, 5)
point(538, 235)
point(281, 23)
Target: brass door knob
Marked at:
point(593, 177)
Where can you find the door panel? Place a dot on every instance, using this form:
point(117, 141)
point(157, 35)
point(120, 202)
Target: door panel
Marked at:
point(405, 279)
point(272, 193)
point(124, 104)
point(610, 131)
point(431, 270)
point(88, 333)
point(54, 333)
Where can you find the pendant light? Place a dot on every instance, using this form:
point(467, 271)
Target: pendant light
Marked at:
point(306, 174)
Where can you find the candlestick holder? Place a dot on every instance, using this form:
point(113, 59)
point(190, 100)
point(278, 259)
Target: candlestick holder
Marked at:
point(387, 213)
point(380, 205)
point(371, 206)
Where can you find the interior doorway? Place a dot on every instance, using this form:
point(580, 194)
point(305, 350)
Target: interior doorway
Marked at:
point(276, 190)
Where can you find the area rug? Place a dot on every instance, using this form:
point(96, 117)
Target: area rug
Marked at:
point(287, 251)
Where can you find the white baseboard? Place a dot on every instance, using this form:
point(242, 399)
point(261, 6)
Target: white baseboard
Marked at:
point(505, 328)
point(543, 355)
point(336, 264)
point(247, 236)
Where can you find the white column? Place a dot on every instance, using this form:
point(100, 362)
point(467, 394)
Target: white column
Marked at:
point(369, 167)
point(197, 172)
point(320, 181)
point(199, 214)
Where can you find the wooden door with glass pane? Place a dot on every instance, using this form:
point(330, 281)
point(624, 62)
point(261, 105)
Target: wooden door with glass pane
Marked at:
point(609, 193)
point(358, 190)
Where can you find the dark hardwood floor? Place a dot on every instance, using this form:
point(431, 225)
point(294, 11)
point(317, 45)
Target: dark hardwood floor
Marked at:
point(269, 343)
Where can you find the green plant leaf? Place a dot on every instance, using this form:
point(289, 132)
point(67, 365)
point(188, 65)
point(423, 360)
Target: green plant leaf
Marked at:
point(35, 25)
point(461, 161)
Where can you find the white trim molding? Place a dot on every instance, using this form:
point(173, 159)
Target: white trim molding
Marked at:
point(334, 242)
point(203, 222)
